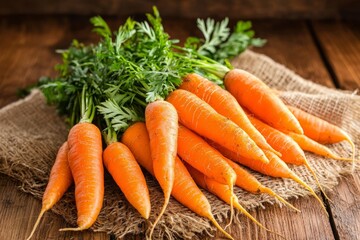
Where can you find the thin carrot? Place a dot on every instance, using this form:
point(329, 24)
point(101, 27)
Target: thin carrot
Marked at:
point(320, 130)
point(256, 96)
point(162, 124)
point(223, 192)
point(275, 168)
point(225, 104)
point(310, 145)
point(184, 190)
point(249, 183)
point(122, 166)
point(200, 117)
point(85, 161)
point(290, 150)
point(59, 181)
point(200, 155)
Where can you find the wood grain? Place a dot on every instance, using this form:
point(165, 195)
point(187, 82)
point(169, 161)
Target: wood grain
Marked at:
point(341, 45)
point(18, 215)
point(340, 42)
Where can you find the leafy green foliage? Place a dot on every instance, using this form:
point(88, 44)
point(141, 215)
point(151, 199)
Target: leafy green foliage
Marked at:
point(135, 65)
point(218, 43)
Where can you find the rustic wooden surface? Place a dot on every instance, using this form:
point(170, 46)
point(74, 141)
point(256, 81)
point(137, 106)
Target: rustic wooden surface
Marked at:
point(326, 52)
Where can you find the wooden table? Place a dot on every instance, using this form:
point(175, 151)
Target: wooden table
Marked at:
point(326, 52)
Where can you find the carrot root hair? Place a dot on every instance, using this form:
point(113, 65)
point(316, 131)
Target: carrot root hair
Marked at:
point(231, 207)
point(167, 199)
point(43, 210)
point(273, 194)
point(247, 214)
point(294, 177)
point(217, 225)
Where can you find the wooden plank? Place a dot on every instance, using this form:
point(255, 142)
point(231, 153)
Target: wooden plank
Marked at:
point(340, 42)
point(341, 45)
point(18, 215)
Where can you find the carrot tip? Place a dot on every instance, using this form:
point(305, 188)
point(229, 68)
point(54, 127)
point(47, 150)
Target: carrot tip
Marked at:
point(272, 193)
point(167, 199)
point(71, 229)
point(212, 219)
point(43, 210)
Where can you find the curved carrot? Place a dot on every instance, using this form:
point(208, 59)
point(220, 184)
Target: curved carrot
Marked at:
point(85, 161)
point(275, 168)
point(249, 183)
point(184, 189)
point(256, 96)
point(222, 191)
point(162, 124)
point(225, 104)
point(320, 130)
point(122, 166)
point(59, 181)
point(290, 150)
point(200, 117)
point(200, 155)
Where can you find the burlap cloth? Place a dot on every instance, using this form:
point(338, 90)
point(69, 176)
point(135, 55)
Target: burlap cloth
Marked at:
point(31, 133)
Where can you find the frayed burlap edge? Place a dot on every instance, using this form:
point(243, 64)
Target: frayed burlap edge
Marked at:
point(31, 133)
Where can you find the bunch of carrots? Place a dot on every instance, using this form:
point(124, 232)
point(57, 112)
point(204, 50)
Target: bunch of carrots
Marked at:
point(162, 108)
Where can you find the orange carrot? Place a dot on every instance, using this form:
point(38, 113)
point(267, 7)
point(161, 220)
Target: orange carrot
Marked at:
point(162, 125)
point(59, 181)
point(320, 130)
point(85, 161)
point(184, 189)
point(200, 117)
point(290, 150)
point(310, 145)
point(200, 155)
point(256, 96)
point(225, 104)
point(275, 168)
point(122, 166)
point(222, 191)
point(249, 183)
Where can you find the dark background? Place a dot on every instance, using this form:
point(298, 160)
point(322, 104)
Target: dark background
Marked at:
point(239, 9)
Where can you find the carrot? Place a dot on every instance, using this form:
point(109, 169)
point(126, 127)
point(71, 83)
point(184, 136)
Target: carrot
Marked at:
point(162, 124)
point(320, 130)
point(290, 150)
point(310, 145)
point(222, 191)
point(225, 104)
point(200, 155)
point(275, 168)
point(256, 96)
point(122, 166)
point(249, 183)
point(59, 181)
point(184, 189)
point(200, 117)
point(85, 161)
